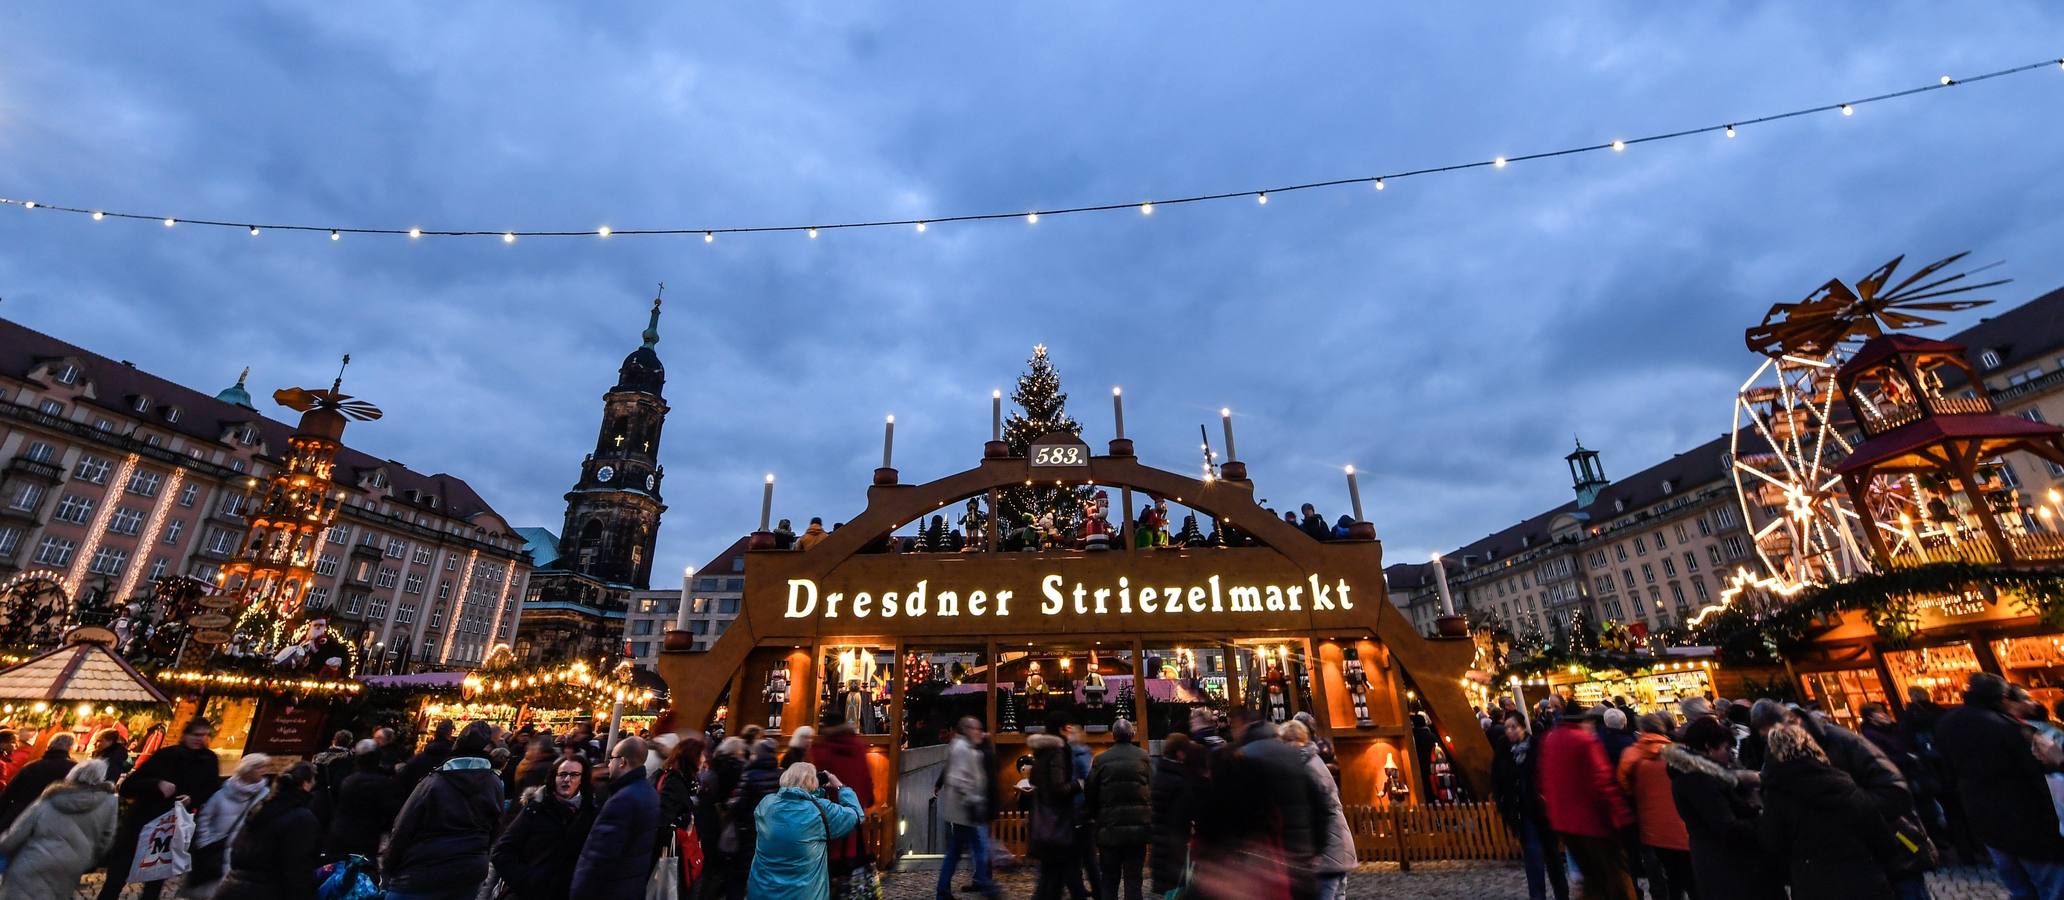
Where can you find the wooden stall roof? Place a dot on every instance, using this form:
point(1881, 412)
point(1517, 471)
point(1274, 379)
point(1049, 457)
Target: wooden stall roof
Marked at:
point(79, 672)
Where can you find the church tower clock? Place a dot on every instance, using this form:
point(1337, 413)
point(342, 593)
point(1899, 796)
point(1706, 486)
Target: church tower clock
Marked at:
point(612, 513)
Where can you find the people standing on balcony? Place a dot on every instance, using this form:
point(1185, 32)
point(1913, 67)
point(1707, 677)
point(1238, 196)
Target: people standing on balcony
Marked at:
point(1315, 525)
point(812, 535)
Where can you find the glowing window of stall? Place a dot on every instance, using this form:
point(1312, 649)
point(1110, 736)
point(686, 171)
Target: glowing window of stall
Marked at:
point(1941, 671)
point(2037, 662)
point(856, 687)
point(1181, 678)
point(941, 686)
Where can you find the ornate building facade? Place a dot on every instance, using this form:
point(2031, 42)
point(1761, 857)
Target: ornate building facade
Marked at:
point(111, 478)
point(578, 601)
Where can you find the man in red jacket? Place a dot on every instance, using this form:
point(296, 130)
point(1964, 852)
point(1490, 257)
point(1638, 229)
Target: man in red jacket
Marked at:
point(1585, 805)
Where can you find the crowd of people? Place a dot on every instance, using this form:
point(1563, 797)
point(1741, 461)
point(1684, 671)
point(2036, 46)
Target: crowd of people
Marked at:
point(1761, 799)
point(1152, 528)
point(1241, 808)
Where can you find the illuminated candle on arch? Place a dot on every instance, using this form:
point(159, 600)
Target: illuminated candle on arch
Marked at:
point(1354, 494)
point(1118, 410)
point(767, 502)
point(1225, 416)
point(888, 442)
point(681, 615)
point(996, 415)
point(1440, 575)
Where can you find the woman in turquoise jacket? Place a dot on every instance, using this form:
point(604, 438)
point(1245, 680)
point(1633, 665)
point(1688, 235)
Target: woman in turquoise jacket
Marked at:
point(794, 823)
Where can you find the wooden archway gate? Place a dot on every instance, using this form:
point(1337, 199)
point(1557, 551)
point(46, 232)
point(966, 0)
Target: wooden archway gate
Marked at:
point(1286, 557)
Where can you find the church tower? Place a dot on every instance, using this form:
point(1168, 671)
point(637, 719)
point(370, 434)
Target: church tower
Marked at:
point(612, 513)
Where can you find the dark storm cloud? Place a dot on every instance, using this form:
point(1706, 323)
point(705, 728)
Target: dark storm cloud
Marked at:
point(1447, 336)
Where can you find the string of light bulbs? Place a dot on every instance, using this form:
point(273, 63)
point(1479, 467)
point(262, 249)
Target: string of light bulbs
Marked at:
point(1144, 207)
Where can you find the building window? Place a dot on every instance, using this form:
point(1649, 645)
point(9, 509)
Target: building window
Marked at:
point(103, 425)
point(1682, 536)
point(422, 555)
point(74, 509)
point(188, 494)
point(1713, 553)
point(1647, 573)
point(705, 584)
point(108, 561)
point(1690, 561)
point(379, 609)
point(340, 534)
point(318, 597)
point(326, 564)
point(437, 616)
point(157, 568)
point(221, 541)
point(699, 626)
point(126, 521)
point(55, 551)
point(641, 627)
point(727, 606)
point(92, 469)
point(1640, 547)
point(67, 374)
point(1705, 528)
point(232, 506)
point(172, 530)
point(405, 614)
point(145, 483)
point(1669, 568)
point(1698, 586)
point(385, 579)
point(172, 414)
point(1989, 359)
point(52, 408)
point(40, 452)
point(396, 548)
point(1627, 575)
point(1660, 544)
point(414, 584)
point(444, 589)
point(2007, 476)
point(1726, 516)
point(237, 465)
point(354, 603)
point(10, 539)
point(27, 497)
point(451, 563)
point(1735, 548)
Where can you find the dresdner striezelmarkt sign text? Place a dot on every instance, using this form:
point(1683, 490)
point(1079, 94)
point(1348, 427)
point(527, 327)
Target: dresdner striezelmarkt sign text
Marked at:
point(1056, 595)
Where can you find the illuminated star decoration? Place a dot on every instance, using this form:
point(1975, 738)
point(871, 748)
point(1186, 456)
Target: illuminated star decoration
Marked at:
point(1743, 581)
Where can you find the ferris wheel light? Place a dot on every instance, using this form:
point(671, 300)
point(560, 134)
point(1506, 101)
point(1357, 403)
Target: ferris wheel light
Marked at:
point(1800, 360)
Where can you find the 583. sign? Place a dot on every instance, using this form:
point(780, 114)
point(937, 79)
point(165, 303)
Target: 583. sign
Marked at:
point(1062, 456)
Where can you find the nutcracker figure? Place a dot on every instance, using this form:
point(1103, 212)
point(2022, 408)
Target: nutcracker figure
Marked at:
point(1035, 692)
point(1357, 688)
point(1278, 693)
point(777, 695)
point(1094, 690)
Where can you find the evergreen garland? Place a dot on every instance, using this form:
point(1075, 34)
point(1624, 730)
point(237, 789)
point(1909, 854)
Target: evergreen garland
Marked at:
point(1042, 409)
point(1764, 634)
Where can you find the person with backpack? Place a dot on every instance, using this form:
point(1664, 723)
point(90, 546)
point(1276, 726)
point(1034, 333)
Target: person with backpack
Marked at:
point(444, 831)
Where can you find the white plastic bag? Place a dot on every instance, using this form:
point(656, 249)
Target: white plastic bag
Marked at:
point(162, 850)
point(665, 883)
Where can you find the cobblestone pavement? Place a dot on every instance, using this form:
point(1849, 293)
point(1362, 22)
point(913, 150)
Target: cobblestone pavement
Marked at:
point(1427, 881)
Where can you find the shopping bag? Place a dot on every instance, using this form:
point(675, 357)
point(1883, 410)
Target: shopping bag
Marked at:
point(162, 849)
point(691, 854)
point(665, 883)
point(349, 878)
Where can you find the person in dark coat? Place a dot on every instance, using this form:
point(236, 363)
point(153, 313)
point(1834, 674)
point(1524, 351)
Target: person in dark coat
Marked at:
point(721, 869)
point(428, 759)
point(677, 785)
point(1315, 524)
point(537, 854)
point(442, 835)
point(2002, 784)
point(1819, 824)
point(1052, 827)
point(1877, 775)
point(616, 860)
point(187, 770)
point(760, 779)
point(1295, 802)
point(108, 745)
point(1121, 806)
point(332, 766)
point(1514, 774)
point(1172, 788)
point(1716, 798)
point(274, 855)
point(28, 784)
point(367, 801)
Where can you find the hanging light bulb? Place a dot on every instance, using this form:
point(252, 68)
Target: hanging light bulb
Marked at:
point(920, 227)
point(1031, 218)
point(97, 214)
point(254, 231)
point(508, 237)
point(170, 222)
point(1261, 198)
point(1379, 184)
point(334, 235)
point(1146, 209)
point(1619, 146)
point(604, 231)
point(709, 237)
point(1848, 110)
point(813, 233)
point(1499, 162)
point(1947, 81)
point(30, 204)
point(1730, 131)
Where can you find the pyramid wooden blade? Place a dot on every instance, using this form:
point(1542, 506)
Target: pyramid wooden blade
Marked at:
point(1928, 270)
point(1868, 285)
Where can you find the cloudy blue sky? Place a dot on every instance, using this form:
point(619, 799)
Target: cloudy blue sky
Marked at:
point(1447, 335)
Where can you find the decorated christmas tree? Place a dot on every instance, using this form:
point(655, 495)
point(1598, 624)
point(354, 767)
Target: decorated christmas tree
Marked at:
point(1042, 409)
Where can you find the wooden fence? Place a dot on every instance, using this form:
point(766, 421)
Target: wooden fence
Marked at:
point(1406, 834)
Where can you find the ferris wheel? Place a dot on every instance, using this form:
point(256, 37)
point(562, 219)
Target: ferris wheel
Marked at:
point(1791, 427)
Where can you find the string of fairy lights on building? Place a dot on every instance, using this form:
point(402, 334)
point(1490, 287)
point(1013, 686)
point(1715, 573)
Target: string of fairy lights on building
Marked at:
point(1145, 207)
